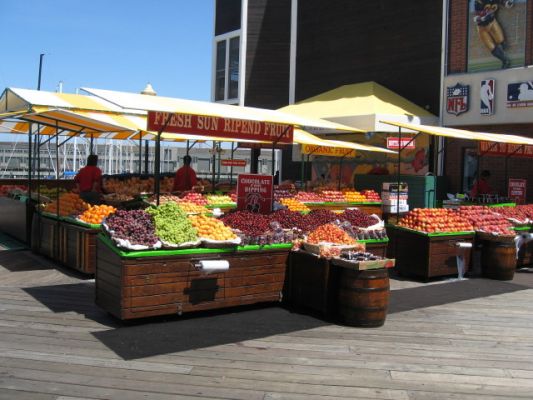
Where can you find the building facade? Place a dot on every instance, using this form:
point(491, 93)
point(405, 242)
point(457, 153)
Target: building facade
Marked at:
point(488, 87)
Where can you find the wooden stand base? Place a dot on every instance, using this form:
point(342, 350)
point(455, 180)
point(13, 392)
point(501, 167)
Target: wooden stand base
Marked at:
point(131, 288)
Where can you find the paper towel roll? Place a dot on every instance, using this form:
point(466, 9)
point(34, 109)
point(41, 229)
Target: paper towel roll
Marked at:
point(464, 245)
point(209, 266)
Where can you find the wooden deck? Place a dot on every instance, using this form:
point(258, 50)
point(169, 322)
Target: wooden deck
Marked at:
point(462, 340)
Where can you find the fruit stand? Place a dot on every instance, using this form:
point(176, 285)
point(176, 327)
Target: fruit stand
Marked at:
point(141, 284)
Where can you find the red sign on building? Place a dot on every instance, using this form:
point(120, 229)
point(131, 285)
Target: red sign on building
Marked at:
point(232, 162)
point(255, 193)
point(517, 190)
point(219, 127)
point(394, 143)
point(505, 149)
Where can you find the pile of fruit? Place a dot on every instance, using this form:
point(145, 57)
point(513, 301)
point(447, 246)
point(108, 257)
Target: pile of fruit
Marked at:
point(353, 196)
point(69, 204)
point(330, 233)
point(191, 208)
point(213, 199)
point(117, 197)
point(135, 226)
point(358, 218)
point(333, 196)
point(435, 220)
point(134, 185)
point(308, 197)
point(371, 195)
point(96, 214)
point(164, 198)
point(249, 223)
point(172, 225)
point(289, 219)
point(282, 194)
point(294, 205)
point(522, 213)
point(319, 217)
point(195, 198)
point(211, 228)
point(485, 220)
point(50, 192)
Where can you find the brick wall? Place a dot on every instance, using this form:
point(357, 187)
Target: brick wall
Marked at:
point(457, 36)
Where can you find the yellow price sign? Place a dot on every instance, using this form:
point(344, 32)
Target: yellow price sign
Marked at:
point(327, 151)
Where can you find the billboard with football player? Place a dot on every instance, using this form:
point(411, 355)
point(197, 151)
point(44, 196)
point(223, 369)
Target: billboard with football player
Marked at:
point(496, 34)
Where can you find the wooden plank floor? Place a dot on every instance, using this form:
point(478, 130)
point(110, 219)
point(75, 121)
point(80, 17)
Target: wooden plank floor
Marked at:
point(463, 340)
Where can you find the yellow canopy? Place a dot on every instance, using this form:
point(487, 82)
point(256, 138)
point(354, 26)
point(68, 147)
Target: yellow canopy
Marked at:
point(144, 103)
point(361, 105)
point(463, 134)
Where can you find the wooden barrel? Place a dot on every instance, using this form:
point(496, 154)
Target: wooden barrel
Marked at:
point(363, 297)
point(498, 260)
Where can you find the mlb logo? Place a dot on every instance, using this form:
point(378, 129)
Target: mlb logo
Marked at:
point(486, 96)
point(520, 94)
point(457, 99)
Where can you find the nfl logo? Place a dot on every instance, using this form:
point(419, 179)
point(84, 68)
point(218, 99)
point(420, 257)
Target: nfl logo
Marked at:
point(457, 99)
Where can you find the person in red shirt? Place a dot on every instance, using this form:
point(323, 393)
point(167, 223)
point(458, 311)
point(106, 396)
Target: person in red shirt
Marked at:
point(481, 186)
point(185, 177)
point(89, 181)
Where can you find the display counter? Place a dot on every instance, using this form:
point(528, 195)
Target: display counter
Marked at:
point(426, 256)
point(136, 284)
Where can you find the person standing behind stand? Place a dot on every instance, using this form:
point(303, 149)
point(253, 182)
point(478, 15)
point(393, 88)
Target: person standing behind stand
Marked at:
point(481, 186)
point(185, 177)
point(89, 181)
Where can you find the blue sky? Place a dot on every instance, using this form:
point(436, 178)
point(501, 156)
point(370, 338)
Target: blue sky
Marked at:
point(113, 44)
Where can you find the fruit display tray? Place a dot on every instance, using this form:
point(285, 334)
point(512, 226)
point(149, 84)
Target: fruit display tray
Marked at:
point(75, 221)
point(194, 251)
point(427, 256)
point(434, 234)
point(166, 284)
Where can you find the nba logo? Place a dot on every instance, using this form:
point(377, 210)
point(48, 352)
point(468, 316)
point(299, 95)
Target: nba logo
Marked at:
point(486, 97)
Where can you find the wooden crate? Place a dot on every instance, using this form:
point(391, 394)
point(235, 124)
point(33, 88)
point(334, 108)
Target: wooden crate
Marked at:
point(131, 288)
point(378, 249)
point(311, 283)
point(78, 247)
point(424, 256)
point(45, 236)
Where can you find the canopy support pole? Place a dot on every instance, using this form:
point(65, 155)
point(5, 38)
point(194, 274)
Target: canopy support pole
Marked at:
point(507, 167)
point(57, 184)
point(274, 147)
point(303, 166)
point(28, 202)
point(157, 166)
point(91, 145)
point(140, 151)
point(231, 166)
point(213, 168)
point(187, 150)
point(146, 156)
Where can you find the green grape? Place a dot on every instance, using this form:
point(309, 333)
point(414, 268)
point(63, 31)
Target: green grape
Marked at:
point(172, 224)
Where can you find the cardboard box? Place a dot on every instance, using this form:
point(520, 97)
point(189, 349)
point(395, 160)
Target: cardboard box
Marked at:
point(394, 202)
point(393, 187)
point(386, 195)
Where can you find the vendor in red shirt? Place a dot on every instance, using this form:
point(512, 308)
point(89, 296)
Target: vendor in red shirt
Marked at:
point(185, 177)
point(89, 181)
point(481, 186)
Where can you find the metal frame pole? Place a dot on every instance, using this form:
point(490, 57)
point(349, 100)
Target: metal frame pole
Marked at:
point(213, 168)
point(140, 151)
point(28, 202)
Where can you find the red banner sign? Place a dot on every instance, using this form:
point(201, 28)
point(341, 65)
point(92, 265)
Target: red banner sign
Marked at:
point(255, 193)
point(394, 143)
point(505, 149)
point(517, 190)
point(219, 127)
point(233, 163)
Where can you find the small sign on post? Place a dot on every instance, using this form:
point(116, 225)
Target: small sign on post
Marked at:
point(255, 193)
point(233, 162)
point(517, 190)
point(394, 143)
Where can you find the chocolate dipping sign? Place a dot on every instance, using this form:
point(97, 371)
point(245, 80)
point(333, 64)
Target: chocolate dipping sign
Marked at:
point(254, 193)
point(219, 127)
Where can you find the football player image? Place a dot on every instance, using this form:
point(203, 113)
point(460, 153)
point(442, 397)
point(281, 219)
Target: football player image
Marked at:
point(489, 30)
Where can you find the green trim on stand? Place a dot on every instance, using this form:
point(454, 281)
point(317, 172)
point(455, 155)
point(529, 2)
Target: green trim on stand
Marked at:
point(228, 205)
point(439, 234)
point(371, 241)
point(183, 252)
point(522, 228)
